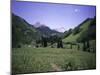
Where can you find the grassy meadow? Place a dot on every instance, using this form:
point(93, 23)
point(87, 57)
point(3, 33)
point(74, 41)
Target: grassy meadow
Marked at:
point(32, 60)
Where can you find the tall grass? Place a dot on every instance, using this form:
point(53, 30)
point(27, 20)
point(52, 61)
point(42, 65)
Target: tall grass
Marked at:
point(32, 60)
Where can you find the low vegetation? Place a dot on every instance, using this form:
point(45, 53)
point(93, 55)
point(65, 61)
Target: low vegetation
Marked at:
point(32, 60)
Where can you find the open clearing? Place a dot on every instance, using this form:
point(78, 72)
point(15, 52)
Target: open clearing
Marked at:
point(33, 60)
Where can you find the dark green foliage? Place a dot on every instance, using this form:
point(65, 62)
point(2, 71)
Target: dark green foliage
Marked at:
point(19, 46)
point(88, 44)
point(76, 30)
point(78, 47)
point(84, 46)
point(37, 46)
point(92, 29)
point(67, 33)
point(44, 41)
point(83, 37)
point(53, 38)
point(70, 46)
point(59, 44)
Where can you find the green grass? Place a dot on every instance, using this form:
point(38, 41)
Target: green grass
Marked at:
point(32, 60)
point(73, 38)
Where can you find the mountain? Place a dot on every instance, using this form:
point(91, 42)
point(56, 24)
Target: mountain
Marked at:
point(37, 24)
point(61, 29)
point(22, 32)
point(25, 33)
point(47, 31)
point(84, 31)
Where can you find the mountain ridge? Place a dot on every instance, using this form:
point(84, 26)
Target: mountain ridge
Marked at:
point(83, 30)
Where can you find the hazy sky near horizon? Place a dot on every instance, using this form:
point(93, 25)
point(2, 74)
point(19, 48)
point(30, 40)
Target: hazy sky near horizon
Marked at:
point(56, 16)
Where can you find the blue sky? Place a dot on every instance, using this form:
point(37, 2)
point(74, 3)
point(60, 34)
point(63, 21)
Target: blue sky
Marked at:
point(56, 16)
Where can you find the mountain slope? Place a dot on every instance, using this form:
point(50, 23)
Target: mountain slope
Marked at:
point(22, 32)
point(44, 30)
point(81, 30)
